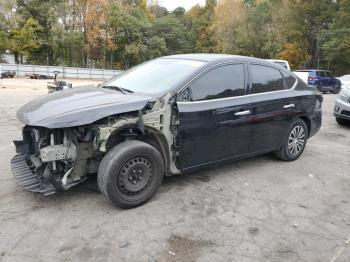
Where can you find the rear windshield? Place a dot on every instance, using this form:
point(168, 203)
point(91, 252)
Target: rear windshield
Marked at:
point(312, 73)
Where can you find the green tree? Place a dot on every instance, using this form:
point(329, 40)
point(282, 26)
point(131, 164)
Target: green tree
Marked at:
point(202, 19)
point(336, 39)
point(158, 11)
point(130, 33)
point(303, 25)
point(177, 37)
point(25, 39)
point(44, 12)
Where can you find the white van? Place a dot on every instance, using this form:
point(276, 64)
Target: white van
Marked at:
point(284, 63)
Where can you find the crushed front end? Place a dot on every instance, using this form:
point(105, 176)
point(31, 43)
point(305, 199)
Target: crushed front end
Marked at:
point(48, 160)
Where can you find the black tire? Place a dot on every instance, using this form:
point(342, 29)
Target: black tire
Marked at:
point(342, 122)
point(286, 152)
point(130, 174)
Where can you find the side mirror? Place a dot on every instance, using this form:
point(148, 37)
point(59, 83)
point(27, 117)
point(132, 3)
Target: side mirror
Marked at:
point(185, 95)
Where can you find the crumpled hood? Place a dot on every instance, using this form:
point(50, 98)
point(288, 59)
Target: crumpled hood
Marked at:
point(78, 106)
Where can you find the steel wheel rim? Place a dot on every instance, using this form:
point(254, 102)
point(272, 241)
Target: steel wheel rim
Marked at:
point(135, 175)
point(296, 140)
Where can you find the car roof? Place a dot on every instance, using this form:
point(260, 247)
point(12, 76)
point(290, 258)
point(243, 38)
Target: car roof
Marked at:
point(213, 57)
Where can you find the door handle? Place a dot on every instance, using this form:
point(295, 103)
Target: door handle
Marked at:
point(243, 113)
point(289, 106)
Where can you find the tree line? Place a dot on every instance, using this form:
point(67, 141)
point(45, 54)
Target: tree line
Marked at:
point(118, 34)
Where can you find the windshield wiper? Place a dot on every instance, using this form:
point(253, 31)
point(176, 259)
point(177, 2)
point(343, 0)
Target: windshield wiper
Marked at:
point(120, 89)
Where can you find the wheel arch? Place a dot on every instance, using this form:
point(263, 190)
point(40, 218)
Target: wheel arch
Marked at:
point(149, 135)
point(307, 121)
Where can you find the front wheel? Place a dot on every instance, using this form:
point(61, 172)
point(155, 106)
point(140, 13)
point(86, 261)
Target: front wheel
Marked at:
point(130, 174)
point(294, 142)
point(342, 121)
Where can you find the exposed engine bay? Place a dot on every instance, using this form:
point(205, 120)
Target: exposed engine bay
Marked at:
point(62, 157)
point(59, 158)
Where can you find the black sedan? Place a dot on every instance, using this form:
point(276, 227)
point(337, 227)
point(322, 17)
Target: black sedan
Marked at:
point(167, 116)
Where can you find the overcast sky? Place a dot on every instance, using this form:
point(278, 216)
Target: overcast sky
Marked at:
point(187, 4)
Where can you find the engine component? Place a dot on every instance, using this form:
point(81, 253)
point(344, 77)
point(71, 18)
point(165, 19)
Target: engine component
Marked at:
point(58, 152)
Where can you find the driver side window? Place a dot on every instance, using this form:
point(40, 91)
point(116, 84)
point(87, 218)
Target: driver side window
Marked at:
point(220, 82)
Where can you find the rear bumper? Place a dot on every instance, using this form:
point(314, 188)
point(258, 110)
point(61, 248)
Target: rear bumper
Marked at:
point(27, 178)
point(324, 88)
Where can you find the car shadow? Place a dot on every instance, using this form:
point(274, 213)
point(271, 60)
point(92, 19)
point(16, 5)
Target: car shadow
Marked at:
point(205, 175)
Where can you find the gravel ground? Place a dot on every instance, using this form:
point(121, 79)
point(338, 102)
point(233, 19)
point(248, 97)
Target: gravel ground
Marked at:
point(260, 209)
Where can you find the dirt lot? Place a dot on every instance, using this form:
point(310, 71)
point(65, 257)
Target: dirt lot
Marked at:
point(259, 209)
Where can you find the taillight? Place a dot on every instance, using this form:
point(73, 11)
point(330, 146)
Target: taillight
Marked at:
point(311, 78)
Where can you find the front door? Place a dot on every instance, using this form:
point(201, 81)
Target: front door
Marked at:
point(214, 122)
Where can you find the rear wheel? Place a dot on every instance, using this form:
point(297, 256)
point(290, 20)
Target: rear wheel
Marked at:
point(130, 173)
point(294, 142)
point(336, 89)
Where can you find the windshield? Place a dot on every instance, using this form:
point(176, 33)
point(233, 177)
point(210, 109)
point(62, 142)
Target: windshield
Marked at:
point(155, 76)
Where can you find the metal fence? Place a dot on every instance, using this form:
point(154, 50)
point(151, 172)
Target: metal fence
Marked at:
point(66, 72)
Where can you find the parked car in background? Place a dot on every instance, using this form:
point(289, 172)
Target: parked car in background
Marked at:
point(342, 103)
point(345, 79)
point(303, 76)
point(323, 80)
point(167, 116)
point(283, 63)
point(8, 74)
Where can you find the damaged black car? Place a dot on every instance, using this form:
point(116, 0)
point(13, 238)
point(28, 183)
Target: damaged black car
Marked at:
point(167, 116)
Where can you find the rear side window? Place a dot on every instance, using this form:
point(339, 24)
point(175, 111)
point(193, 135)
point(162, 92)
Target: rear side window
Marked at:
point(265, 79)
point(289, 80)
point(321, 73)
point(221, 82)
point(328, 74)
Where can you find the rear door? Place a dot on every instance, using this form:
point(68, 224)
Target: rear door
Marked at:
point(214, 124)
point(272, 108)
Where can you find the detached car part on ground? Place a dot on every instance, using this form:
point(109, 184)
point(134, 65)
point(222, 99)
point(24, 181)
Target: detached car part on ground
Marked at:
point(164, 117)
